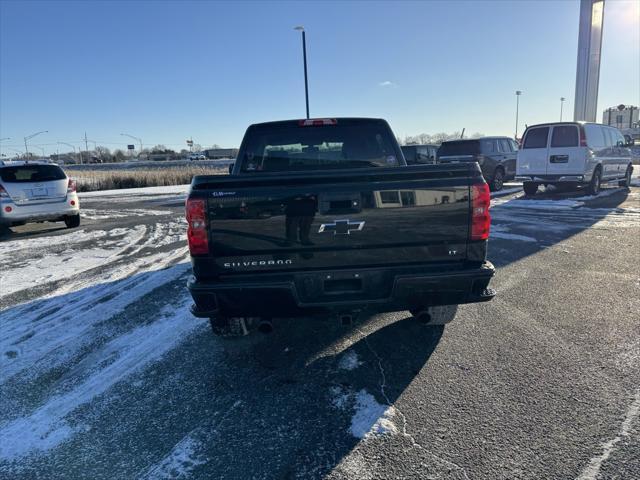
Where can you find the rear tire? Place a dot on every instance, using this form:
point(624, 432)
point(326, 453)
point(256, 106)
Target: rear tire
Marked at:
point(497, 182)
point(627, 178)
point(594, 184)
point(530, 188)
point(72, 221)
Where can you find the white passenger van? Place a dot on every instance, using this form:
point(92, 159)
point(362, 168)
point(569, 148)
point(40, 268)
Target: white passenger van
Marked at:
point(573, 153)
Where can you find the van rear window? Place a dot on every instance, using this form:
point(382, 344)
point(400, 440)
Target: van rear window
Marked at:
point(536, 138)
point(31, 173)
point(565, 136)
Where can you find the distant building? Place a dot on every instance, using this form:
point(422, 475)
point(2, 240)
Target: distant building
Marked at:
point(216, 153)
point(622, 116)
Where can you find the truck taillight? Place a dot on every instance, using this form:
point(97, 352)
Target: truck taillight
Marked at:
point(197, 226)
point(3, 192)
point(71, 186)
point(583, 137)
point(480, 216)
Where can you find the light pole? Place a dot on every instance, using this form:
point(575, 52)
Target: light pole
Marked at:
point(40, 148)
point(300, 28)
point(135, 138)
point(518, 93)
point(562, 99)
point(26, 149)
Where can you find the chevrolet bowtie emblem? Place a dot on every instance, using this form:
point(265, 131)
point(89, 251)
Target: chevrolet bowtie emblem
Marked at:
point(341, 227)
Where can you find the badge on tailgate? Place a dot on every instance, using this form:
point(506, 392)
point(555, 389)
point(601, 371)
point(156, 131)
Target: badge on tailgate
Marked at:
point(341, 227)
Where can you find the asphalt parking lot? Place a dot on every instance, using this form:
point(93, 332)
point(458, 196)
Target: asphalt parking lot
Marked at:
point(105, 374)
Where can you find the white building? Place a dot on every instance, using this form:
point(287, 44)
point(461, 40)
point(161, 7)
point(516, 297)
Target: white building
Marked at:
point(621, 117)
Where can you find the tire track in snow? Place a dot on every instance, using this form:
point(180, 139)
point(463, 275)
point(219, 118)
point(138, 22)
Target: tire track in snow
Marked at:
point(44, 337)
point(50, 424)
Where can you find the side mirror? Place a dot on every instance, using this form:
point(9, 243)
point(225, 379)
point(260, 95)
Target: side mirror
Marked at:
point(231, 168)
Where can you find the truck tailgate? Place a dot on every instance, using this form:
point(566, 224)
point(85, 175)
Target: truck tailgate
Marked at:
point(337, 219)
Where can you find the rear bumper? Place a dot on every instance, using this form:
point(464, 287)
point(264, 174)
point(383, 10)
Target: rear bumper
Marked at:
point(551, 178)
point(381, 290)
point(40, 212)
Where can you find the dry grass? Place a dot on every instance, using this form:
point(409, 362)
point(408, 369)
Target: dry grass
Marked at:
point(91, 180)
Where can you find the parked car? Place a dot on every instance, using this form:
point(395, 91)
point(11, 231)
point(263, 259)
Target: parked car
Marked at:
point(37, 192)
point(419, 154)
point(573, 153)
point(495, 155)
point(197, 156)
point(344, 229)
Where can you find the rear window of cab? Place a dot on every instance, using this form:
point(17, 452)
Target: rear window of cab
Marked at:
point(31, 173)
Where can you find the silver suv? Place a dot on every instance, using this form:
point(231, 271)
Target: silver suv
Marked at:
point(36, 192)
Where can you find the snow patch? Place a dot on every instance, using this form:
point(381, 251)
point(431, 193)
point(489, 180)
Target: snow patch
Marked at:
point(48, 426)
point(164, 190)
point(93, 214)
point(349, 361)
point(371, 418)
point(341, 397)
point(592, 471)
point(179, 463)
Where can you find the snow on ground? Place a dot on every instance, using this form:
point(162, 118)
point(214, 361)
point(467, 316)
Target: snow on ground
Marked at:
point(95, 214)
point(33, 262)
point(45, 267)
point(371, 418)
point(48, 426)
point(349, 361)
point(506, 191)
point(501, 231)
point(164, 190)
point(179, 463)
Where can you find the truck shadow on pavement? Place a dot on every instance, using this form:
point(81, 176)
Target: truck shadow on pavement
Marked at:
point(300, 400)
point(292, 404)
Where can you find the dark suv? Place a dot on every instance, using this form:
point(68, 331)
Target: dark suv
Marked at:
point(495, 155)
point(419, 154)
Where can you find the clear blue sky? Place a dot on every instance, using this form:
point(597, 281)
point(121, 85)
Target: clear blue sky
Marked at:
point(167, 70)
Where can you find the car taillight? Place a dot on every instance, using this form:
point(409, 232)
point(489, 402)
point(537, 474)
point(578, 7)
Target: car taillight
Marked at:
point(71, 186)
point(317, 122)
point(480, 216)
point(583, 137)
point(197, 226)
point(3, 192)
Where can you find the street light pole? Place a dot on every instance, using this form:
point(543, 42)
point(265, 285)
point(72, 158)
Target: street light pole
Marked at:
point(518, 93)
point(29, 137)
point(300, 28)
point(562, 99)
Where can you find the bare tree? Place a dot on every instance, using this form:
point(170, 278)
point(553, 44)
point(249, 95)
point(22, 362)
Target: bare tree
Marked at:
point(103, 153)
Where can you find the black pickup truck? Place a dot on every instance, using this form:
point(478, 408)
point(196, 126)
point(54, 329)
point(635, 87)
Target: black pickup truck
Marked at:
point(323, 216)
